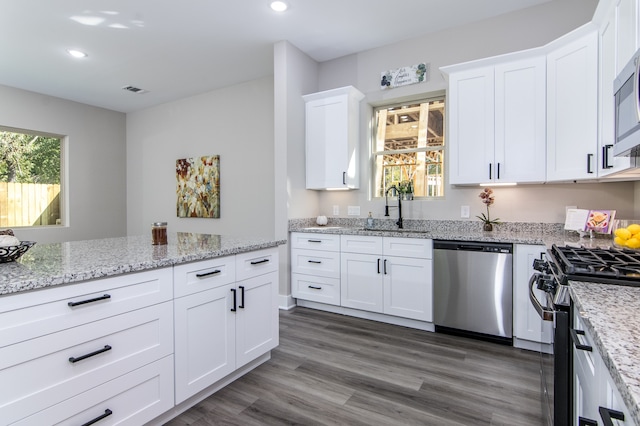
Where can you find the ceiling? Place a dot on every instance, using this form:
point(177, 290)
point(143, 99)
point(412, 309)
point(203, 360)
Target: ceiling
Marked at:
point(174, 49)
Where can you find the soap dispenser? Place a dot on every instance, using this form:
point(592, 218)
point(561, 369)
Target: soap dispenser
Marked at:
point(370, 221)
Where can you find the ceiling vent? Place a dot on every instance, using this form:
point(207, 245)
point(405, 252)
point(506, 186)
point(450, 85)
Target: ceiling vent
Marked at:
point(134, 89)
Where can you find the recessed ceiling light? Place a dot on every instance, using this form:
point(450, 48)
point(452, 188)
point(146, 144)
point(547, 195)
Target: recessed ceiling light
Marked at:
point(77, 53)
point(279, 6)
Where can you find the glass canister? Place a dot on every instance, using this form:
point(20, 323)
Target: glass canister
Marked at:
point(159, 233)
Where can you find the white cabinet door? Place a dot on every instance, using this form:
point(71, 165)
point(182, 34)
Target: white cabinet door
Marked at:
point(332, 129)
point(205, 342)
point(408, 288)
point(626, 31)
point(256, 317)
point(361, 281)
point(572, 109)
point(470, 102)
point(520, 121)
point(527, 323)
point(612, 400)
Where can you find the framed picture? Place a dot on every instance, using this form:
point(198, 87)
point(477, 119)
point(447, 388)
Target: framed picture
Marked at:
point(198, 187)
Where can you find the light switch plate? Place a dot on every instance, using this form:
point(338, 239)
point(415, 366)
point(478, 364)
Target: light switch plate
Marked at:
point(353, 210)
point(464, 212)
point(336, 210)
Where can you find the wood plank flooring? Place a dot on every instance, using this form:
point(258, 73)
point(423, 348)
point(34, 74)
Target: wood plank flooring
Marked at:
point(336, 370)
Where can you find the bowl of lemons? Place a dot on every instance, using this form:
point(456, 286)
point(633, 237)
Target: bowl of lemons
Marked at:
point(626, 234)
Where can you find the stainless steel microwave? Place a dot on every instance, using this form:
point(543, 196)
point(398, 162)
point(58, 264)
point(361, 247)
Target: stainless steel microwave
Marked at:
point(627, 109)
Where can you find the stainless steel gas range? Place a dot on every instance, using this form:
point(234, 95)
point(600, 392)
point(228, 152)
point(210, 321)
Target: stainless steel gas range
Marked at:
point(607, 266)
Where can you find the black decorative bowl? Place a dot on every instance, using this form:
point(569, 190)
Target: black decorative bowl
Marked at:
point(11, 253)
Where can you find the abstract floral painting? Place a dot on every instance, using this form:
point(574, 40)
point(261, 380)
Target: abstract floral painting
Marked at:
point(198, 187)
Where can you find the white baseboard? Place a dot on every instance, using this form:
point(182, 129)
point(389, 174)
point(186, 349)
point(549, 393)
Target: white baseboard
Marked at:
point(286, 302)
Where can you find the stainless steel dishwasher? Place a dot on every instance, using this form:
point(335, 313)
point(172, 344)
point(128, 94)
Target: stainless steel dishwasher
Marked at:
point(473, 291)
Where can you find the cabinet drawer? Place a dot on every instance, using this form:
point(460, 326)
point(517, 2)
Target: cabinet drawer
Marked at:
point(41, 371)
point(31, 314)
point(408, 247)
point(361, 244)
point(316, 289)
point(313, 241)
point(133, 399)
point(191, 278)
point(315, 262)
point(254, 263)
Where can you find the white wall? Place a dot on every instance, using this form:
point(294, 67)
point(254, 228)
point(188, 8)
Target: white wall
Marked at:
point(529, 28)
point(236, 123)
point(95, 162)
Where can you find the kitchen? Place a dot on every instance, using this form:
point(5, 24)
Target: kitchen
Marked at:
point(131, 147)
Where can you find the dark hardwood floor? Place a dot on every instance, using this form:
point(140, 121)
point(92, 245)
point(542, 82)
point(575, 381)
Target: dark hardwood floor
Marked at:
point(335, 370)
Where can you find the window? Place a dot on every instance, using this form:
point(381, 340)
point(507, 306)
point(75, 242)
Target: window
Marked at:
point(408, 148)
point(29, 179)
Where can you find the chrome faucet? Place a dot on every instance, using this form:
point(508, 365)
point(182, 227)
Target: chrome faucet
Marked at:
point(386, 204)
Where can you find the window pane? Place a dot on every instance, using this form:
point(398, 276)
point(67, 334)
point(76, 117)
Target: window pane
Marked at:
point(409, 148)
point(29, 179)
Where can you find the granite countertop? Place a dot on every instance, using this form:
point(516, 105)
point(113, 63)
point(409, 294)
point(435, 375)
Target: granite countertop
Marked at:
point(610, 313)
point(46, 265)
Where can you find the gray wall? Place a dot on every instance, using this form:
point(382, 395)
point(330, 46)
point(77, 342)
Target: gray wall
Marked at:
point(236, 123)
point(525, 29)
point(95, 160)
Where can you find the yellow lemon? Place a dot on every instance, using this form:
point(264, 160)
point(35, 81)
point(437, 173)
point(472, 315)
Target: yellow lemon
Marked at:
point(619, 241)
point(633, 243)
point(623, 233)
point(633, 228)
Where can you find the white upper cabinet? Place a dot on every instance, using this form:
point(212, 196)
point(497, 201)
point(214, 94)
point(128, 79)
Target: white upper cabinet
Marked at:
point(497, 121)
point(572, 107)
point(332, 132)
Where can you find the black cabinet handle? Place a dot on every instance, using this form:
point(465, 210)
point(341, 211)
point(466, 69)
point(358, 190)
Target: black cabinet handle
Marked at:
point(489, 171)
point(385, 266)
point(607, 414)
point(344, 178)
point(498, 172)
point(315, 241)
point(257, 262)
point(605, 157)
point(314, 287)
point(106, 414)
point(314, 261)
point(233, 290)
point(589, 158)
point(582, 421)
point(206, 274)
point(576, 342)
point(378, 265)
point(84, 302)
point(73, 360)
point(241, 305)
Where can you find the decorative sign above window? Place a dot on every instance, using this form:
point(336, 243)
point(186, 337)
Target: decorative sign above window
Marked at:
point(404, 76)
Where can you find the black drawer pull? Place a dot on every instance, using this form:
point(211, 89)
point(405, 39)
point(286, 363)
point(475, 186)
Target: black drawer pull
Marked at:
point(315, 241)
point(582, 421)
point(315, 287)
point(257, 262)
point(607, 414)
point(241, 305)
point(576, 342)
point(233, 290)
point(206, 274)
point(106, 414)
point(95, 299)
point(73, 360)
point(314, 261)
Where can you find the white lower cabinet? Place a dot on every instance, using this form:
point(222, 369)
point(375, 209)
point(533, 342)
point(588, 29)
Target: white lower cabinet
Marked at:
point(390, 275)
point(596, 399)
point(225, 325)
point(315, 267)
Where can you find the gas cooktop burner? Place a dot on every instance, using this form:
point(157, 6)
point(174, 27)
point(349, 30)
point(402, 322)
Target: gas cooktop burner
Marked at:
point(610, 266)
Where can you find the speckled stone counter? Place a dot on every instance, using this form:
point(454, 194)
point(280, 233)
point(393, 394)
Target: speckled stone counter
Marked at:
point(508, 232)
point(61, 263)
point(611, 314)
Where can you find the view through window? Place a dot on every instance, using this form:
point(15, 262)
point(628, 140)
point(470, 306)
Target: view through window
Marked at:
point(408, 148)
point(29, 179)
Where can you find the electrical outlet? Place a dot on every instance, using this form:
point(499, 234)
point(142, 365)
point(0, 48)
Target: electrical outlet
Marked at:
point(336, 210)
point(464, 212)
point(353, 210)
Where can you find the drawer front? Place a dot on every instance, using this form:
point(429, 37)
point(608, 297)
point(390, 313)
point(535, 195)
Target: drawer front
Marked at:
point(313, 241)
point(32, 314)
point(408, 247)
point(42, 372)
point(361, 244)
point(316, 289)
point(314, 262)
point(191, 278)
point(254, 263)
point(133, 399)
